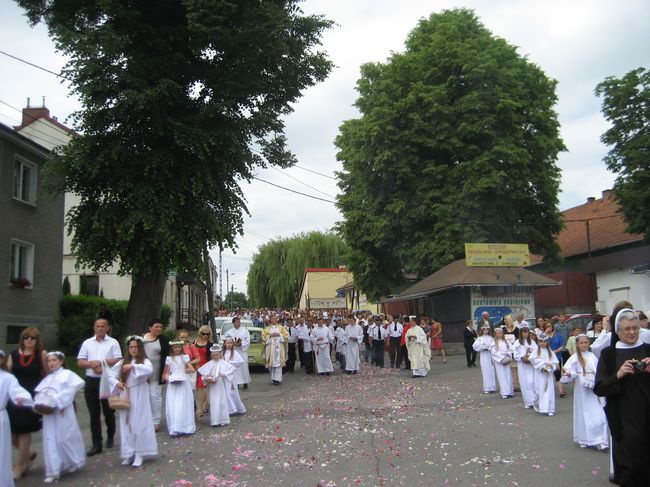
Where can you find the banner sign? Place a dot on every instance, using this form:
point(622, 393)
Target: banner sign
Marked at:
point(496, 255)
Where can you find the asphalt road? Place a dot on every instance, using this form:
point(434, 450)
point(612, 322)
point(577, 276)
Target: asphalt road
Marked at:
point(378, 428)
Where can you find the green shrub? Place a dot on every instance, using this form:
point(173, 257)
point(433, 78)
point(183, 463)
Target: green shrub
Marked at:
point(165, 314)
point(66, 286)
point(170, 334)
point(78, 313)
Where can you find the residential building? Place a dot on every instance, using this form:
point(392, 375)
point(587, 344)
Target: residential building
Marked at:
point(183, 298)
point(319, 288)
point(31, 241)
point(603, 262)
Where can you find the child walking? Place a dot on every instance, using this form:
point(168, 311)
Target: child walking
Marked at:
point(230, 355)
point(482, 345)
point(129, 377)
point(545, 364)
point(218, 374)
point(179, 408)
point(63, 444)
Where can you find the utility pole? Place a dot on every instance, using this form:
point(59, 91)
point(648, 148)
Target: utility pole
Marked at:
point(220, 276)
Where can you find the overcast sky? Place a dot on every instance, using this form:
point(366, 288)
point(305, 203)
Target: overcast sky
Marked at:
point(578, 43)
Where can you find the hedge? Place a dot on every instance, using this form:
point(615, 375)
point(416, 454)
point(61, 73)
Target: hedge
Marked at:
point(78, 313)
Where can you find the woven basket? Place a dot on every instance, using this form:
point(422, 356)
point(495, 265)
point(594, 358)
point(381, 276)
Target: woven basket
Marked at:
point(119, 402)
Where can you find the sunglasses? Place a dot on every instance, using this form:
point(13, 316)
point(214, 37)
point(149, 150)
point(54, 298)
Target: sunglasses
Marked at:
point(205, 334)
point(29, 337)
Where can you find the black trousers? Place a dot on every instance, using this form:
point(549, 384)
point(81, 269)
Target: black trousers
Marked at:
point(291, 357)
point(405, 355)
point(96, 407)
point(378, 352)
point(470, 353)
point(309, 362)
point(395, 352)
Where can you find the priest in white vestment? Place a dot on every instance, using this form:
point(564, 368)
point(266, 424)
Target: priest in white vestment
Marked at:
point(418, 350)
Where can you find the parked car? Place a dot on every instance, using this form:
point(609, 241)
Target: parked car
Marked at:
point(579, 320)
point(256, 349)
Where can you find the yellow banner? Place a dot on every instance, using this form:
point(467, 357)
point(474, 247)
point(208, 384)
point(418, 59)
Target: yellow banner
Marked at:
point(496, 255)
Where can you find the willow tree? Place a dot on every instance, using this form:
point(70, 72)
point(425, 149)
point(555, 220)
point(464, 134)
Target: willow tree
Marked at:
point(276, 273)
point(457, 141)
point(181, 101)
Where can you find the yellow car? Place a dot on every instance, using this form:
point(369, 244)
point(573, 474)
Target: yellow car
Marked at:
point(255, 350)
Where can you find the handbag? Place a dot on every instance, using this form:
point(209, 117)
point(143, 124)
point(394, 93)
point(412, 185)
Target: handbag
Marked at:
point(120, 402)
point(505, 360)
point(44, 402)
point(104, 381)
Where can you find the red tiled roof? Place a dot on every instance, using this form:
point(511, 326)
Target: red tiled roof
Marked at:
point(606, 227)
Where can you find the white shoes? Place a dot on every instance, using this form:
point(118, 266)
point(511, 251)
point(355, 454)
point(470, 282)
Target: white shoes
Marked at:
point(551, 414)
point(49, 480)
point(127, 461)
point(137, 462)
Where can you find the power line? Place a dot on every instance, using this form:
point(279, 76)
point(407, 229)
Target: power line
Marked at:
point(315, 172)
point(301, 182)
point(294, 191)
point(51, 139)
point(34, 65)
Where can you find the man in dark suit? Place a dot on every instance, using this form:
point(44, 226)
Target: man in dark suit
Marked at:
point(484, 320)
point(469, 335)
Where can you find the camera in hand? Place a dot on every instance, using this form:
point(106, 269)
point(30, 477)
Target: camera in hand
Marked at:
point(639, 366)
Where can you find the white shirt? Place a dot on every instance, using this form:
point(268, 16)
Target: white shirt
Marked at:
point(293, 334)
point(241, 333)
point(519, 324)
point(374, 332)
point(93, 349)
point(395, 333)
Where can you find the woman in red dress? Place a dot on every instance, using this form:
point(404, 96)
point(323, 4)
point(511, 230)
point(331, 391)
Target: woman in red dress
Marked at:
point(202, 346)
point(436, 340)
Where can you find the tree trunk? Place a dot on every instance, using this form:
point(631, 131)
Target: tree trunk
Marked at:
point(145, 301)
point(210, 292)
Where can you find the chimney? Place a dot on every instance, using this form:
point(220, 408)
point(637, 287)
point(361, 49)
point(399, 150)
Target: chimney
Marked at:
point(607, 193)
point(31, 113)
point(591, 199)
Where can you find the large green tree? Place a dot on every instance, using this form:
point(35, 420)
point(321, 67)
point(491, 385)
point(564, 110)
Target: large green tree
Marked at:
point(626, 105)
point(457, 142)
point(181, 100)
point(276, 273)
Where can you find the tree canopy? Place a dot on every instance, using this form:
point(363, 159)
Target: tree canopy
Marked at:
point(457, 142)
point(181, 100)
point(626, 104)
point(276, 273)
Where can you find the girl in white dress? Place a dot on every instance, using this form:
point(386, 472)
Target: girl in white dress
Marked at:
point(129, 376)
point(589, 422)
point(63, 444)
point(545, 363)
point(522, 349)
point(10, 390)
point(500, 351)
point(230, 355)
point(179, 408)
point(218, 375)
point(482, 345)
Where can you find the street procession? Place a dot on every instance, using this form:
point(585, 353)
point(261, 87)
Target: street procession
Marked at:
point(322, 243)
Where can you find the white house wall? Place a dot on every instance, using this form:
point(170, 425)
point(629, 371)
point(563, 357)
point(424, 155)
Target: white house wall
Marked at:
point(615, 285)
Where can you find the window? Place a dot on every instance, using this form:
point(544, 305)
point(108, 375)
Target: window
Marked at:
point(13, 334)
point(22, 264)
point(25, 180)
point(89, 285)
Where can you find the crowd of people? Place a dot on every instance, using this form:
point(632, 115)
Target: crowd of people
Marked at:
point(204, 376)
